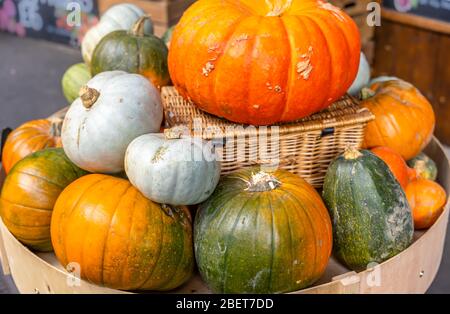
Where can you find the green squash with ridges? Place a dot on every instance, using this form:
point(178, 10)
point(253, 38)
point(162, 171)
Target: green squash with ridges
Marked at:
point(262, 232)
point(73, 79)
point(371, 218)
point(133, 52)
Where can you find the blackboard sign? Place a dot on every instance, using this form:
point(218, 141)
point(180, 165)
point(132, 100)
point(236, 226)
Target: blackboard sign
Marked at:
point(435, 9)
point(64, 21)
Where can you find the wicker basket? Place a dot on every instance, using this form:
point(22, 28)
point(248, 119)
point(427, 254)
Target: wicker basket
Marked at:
point(306, 147)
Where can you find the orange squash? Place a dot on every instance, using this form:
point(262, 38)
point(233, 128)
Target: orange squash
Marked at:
point(396, 164)
point(427, 200)
point(30, 192)
point(404, 119)
point(119, 238)
point(264, 61)
point(29, 138)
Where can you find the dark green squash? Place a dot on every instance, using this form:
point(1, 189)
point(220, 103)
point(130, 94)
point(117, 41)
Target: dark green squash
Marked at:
point(134, 52)
point(425, 167)
point(167, 37)
point(372, 220)
point(262, 232)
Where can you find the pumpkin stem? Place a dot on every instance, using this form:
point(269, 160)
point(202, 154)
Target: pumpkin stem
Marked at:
point(278, 7)
point(88, 96)
point(367, 93)
point(138, 27)
point(175, 133)
point(352, 153)
point(55, 127)
point(263, 182)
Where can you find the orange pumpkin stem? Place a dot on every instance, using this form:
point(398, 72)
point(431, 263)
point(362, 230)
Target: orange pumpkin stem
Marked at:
point(263, 182)
point(175, 133)
point(88, 96)
point(367, 93)
point(138, 28)
point(352, 153)
point(278, 7)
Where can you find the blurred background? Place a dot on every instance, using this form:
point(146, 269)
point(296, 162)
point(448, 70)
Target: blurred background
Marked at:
point(37, 46)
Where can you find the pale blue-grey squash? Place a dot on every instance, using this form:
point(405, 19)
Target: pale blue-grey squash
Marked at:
point(381, 79)
point(173, 170)
point(113, 109)
point(363, 77)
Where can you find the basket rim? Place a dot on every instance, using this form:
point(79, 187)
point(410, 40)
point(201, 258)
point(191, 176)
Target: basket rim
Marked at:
point(361, 116)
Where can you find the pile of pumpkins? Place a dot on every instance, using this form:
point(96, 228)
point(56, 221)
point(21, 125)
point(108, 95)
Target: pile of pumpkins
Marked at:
point(109, 188)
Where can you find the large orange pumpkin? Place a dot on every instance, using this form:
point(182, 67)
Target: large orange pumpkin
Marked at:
point(404, 119)
point(427, 200)
point(29, 138)
point(396, 164)
point(261, 62)
point(119, 238)
point(30, 192)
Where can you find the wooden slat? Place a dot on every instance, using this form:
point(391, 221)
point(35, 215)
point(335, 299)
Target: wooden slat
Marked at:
point(3, 256)
point(441, 89)
point(165, 13)
point(416, 21)
point(384, 49)
point(419, 56)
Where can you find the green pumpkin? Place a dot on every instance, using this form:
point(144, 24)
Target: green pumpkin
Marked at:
point(167, 37)
point(425, 167)
point(133, 52)
point(262, 232)
point(73, 79)
point(372, 220)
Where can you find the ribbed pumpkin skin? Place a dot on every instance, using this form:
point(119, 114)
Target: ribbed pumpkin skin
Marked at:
point(425, 167)
point(404, 119)
point(145, 55)
point(262, 242)
point(119, 238)
point(371, 217)
point(172, 171)
point(74, 78)
point(396, 164)
point(235, 62)
point(29, 138)
point(30, 192)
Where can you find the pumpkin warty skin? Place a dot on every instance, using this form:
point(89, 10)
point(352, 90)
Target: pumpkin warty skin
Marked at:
point(261, 62)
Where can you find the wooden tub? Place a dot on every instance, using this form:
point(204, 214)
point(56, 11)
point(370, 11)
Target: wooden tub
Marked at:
point(411, 271)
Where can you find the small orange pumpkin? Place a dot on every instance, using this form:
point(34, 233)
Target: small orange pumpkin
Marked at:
point(427, 200)
point(30, 192)
point(404, 119)
point(29, 138)
point(396, 164)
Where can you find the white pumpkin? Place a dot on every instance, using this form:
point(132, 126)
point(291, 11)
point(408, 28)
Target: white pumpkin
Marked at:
point(113, 109)
point(363, 77)
point(118, 17)
point(171, 170)
point(381, 79)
